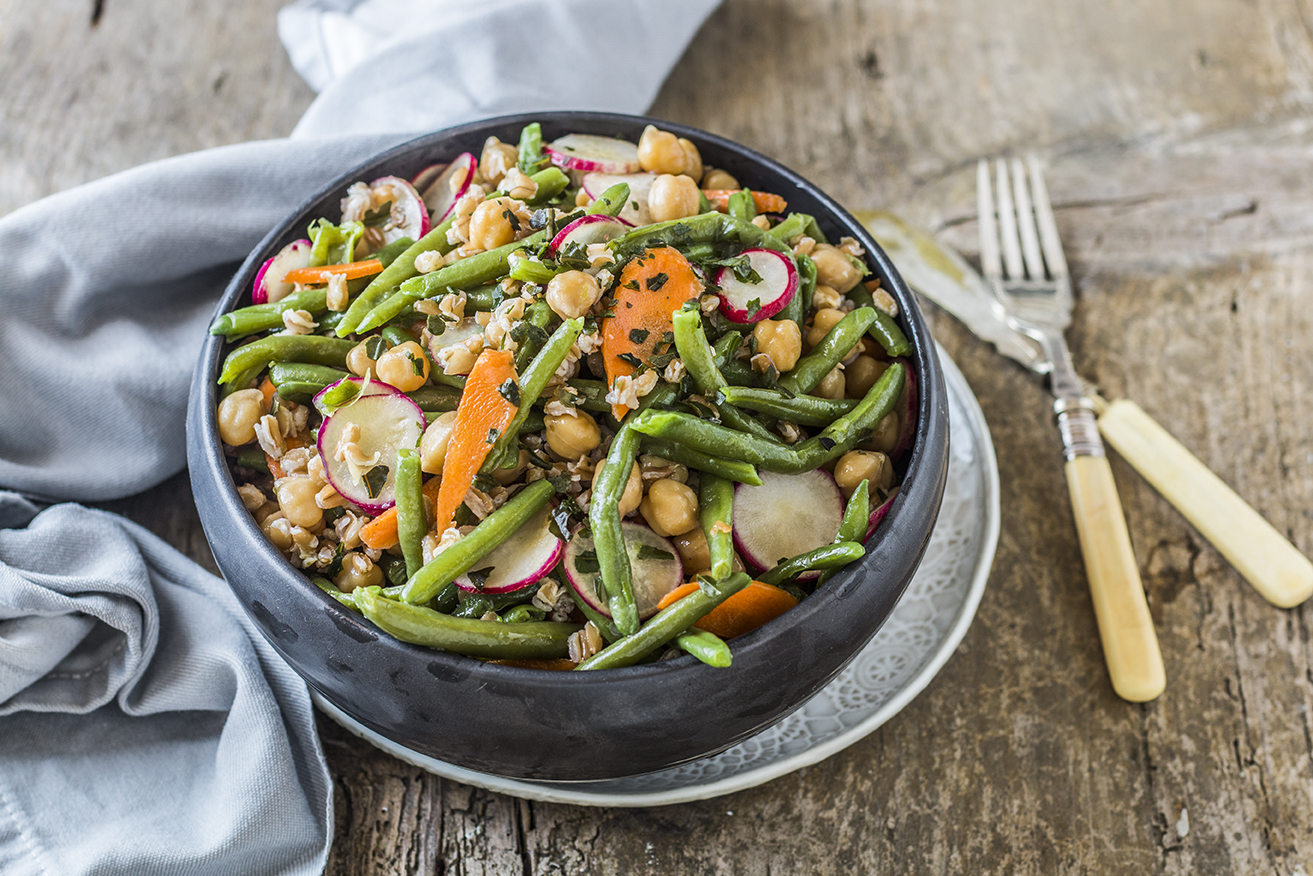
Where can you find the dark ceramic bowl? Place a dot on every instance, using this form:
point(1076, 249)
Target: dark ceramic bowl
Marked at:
point(562, 726)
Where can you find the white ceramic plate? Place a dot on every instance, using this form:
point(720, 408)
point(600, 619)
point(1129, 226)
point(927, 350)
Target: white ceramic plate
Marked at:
point(917, 639)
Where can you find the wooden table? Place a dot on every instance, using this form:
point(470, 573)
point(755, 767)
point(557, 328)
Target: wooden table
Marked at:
point(1178, 143)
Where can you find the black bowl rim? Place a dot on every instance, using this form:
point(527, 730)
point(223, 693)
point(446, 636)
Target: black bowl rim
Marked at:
point(925, 471)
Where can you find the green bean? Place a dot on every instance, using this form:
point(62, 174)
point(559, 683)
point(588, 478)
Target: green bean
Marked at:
point(460, 557)
point(793, 225)
point(532, 383)
point(479, 604)
point(411, 523)
point(707, 647)
point(826, 557)
point(729, 469)
point(253, 458)
point(805, 410)
point(533, 271)
point(610, 202)
point(539, 315)
point(395, 335)
point(714, 439)
point(299, 372)
point(285, 348)
point(742, 206)
point(331, 589)
point(884, 330)
point(716, 509)
point(521, 614)
point(438, 399)
point(473, 270)
point(300, 382)
point(699, 358)
point(608, 538)
point(531, 158)
point(474, 638)
point(603, 623)
point(666, 624)
point(551, 182)
point(812, 368)
point(801, 303)
point(844, 433)
point(589, 394)
point(856, 519)
point(704, 228)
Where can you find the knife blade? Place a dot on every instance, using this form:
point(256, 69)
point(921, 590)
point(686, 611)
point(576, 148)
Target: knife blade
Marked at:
point(1262, 555)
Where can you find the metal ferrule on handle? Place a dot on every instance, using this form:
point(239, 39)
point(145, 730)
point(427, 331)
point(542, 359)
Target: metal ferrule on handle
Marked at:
point(1078, 426)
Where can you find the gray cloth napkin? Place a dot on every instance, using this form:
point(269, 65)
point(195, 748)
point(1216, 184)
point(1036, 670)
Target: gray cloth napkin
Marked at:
point(145, 726)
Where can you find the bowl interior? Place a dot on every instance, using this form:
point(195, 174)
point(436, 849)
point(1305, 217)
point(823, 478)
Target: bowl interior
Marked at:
point(570, 726)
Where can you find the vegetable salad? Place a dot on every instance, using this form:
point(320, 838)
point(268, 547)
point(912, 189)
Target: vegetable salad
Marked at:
point(568, 405)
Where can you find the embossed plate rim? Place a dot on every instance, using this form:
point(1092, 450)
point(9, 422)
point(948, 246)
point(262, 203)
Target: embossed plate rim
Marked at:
point(771, 769)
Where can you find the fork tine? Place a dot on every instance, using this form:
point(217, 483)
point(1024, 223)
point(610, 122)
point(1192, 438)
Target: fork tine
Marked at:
point(991, 264)
point(1007, 224)
point(1026, 223)
point(1048, 228)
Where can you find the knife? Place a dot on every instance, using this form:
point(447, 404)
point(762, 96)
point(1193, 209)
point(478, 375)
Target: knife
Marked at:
point(1264, 557)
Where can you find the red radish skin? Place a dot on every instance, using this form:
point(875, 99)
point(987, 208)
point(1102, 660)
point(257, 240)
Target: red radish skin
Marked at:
point(653, 578)
point(586, 230)
point(449, 185)
point(881, 511)
point(779, 283)
point(425, 177)
point(269, 287)
point(635, 211)
point(408, 218)
point(789, 514)
point(589, 153)
point(523, 559)
point(388, 421)
point(907, 416)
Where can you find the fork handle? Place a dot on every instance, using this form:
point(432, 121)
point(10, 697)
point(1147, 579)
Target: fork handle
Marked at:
point(1265, 558)
point(1130, 645)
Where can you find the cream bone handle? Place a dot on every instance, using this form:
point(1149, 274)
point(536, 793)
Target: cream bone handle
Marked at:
point(1265, 558)
point(1130, 645)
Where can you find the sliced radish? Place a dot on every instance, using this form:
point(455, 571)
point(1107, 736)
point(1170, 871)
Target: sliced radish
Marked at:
point(751, 302)
point(524, 558)
point(407, 217)
point(383, 424)
point(907, 412)
point(455, 333)
point(425, 177)
point(586, 230)
point(335, 396)
point(269, 286)
point(635, 211)
point(448, 185)
point(879, 513)
point(789, 514)
point(588, 152)
point(653, 562)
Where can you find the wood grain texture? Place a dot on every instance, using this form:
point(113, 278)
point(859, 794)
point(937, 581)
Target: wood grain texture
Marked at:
point(1178, 148)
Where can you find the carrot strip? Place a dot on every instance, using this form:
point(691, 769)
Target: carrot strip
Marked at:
point(381, 532)
point(764, 201)
point(742, 613)
point(482, 416)
point(267, 387)
point(652, 287)
point(351, 271)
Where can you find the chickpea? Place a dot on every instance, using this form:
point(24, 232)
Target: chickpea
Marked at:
point(238, 414)
point(497, 158)
point(885, 436)
point(716, 179)
point(693, 550)
point(358, 570)
point(433, 444)
point(834, 268)
point(358, 360)
point(661, 152)
point(822, 322)
point(405, 366)
point(781, 340)
point(296, 498)
point(860, 465)
point(508, 476)
point(861, 374)
point(278, 530)
point(672, 197)
point(824, 296)
point(633, 494)
point(491, 225)
point(571, 437)
point(572, 293)
point(692, 160)
point(670, 508)
point(832, 385)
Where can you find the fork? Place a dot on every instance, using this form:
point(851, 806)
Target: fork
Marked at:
point(1022, 261)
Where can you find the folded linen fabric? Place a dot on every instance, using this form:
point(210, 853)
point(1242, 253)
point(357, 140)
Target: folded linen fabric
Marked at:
point(145, 726)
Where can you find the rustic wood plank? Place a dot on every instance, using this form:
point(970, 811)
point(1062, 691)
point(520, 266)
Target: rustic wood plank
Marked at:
point(1178, 151)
